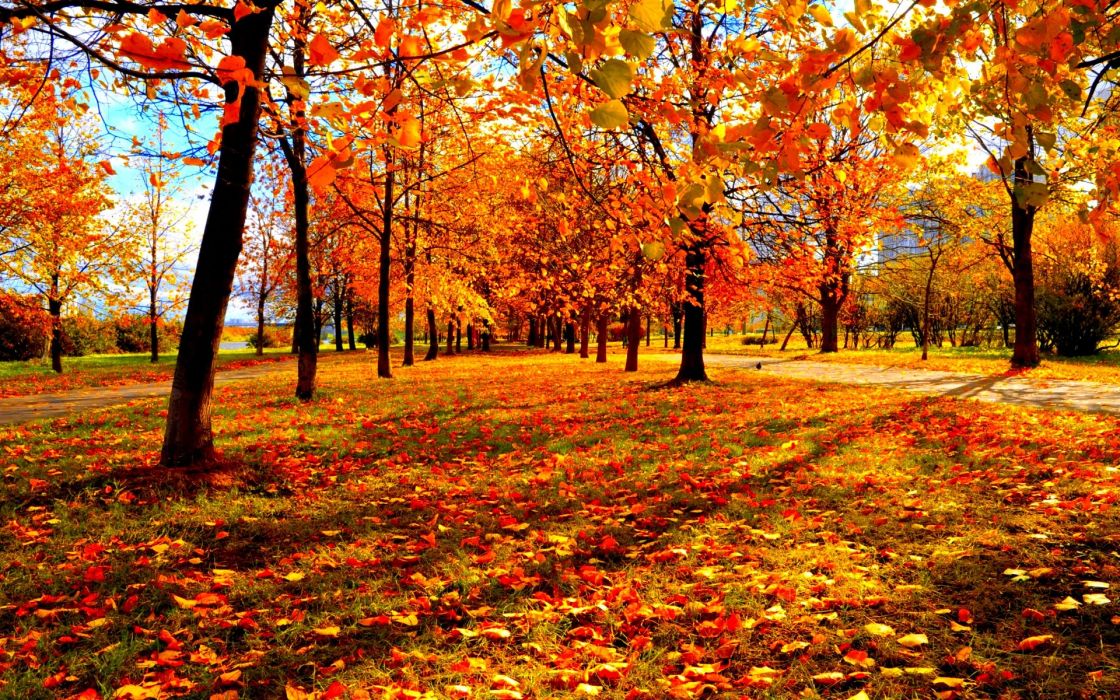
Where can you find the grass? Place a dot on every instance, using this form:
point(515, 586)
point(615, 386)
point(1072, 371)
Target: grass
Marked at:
point(37, 377)
point(532, 525)
point(1104, 367)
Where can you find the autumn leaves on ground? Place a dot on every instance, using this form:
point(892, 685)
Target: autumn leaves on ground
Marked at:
point(568, 531)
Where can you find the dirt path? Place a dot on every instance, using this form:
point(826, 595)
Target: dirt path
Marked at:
point(21, 409)
point(1018, 390)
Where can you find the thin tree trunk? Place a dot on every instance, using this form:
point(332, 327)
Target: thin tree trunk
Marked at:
point(433, 336)
point(692, 350)
point(450, 336)
point(830, 316)
point(384, 371)
point(350, 319)
point(677, 316)
point(557, 332)
point(1025, 351)
point(260, 326)
point(153, 328)
point(585, 333)
point(649, 325)
point(785, 342)
point(54, 307)
point(458, 335)
point(188, 437)
point(570, 332)
point(634, 338)
point(601, 339)
point(338, 320)
point(531, 341)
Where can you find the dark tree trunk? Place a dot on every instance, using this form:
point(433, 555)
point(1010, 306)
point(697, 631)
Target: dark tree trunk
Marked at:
point(338, 299)
point(470, 336)
point(830, 315)
point(296, 155)
point(677, 315)
point(433, 336)
point(54, 307)
point(458, 335)
point(350, 319)
point(601, 339)
point(585, 333)
point(188, 438)
point(634, 338)
point(450, 336)
point(692, 350)
point(153, 326)
point(557, 333)
point(542, 332)
point(384, 371)
point(785, 342)
point(531, 341)
point(485, 336)
point(570, 331)
point(1025, 351)
point(260, 326)
point(649, 325)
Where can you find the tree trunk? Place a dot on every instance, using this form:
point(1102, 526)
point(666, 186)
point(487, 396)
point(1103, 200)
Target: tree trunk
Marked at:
point(153, 328)
point(677, 314)
point(542, 332)
point(338, 320)
point(458, 335)
point(54, 307)
point(925, 312)
point(785, 342)
point(830, 318)
point(260, 326)
point(188, 438)
point(384, 371)
point(450, 336)
point(531, 341)
point(601, 339)
point(433, 336)
point(557, 334)
point(765, 330)
point(634, 338)
point(585, 333)
point(692, 350)
point(350, 319)
point(649, 325)
point(1025, 351)
point(570, 332)
point(296, 155)
point(485, 335)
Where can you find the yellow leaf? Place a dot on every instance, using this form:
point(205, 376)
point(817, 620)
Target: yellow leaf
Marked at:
point(878, 629)
point(327, 631)
point(911, 641)
point(295, 576)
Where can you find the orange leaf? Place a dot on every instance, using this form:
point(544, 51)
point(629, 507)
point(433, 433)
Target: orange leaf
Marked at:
point(243, 9)
point(320, 52)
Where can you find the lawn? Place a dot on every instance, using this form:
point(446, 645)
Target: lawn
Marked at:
point(1104, 367)
point(36, 376)
point(527, 525)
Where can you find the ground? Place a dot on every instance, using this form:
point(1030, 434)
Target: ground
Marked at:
point(532, 525)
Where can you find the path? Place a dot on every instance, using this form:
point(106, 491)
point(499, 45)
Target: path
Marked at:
point(1018, 390)
point(21, 409)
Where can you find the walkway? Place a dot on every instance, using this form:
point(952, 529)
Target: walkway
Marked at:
point(1017, 390)
point(27, 408)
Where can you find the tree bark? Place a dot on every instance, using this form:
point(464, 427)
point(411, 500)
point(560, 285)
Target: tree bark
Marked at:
point(153, 328)
point(338, 320)
point(458, 335)
point(570, 332)
point(1025, 351)
point(692, 350)
point(54, 308)
point(634, 338)
point(557, 332)
point(601, 337)
point(384, 371)
point(485, 338)
point(677, 315)
point(531, 341)
point(260, 326)
point(350, 319)
point(450, 336)
point(585, 333)
point(188, 437)
point(433, 336)
point(649, 325)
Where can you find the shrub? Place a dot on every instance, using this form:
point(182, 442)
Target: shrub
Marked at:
point(1077, 299)
point(134, 333)
point(756, 339)
point(87, 335)
point(24, 328)
point(272, 339)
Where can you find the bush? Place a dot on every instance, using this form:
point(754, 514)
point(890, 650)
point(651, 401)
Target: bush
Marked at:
point(756, 339)
point(24, 328)
point(86, 335)
point(272, 339)
point(1077, 312)
point(134, 334)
